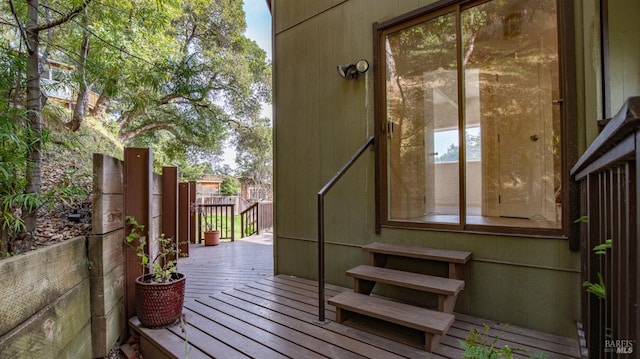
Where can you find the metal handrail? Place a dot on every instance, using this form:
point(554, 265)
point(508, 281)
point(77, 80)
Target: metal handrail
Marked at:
point(321, 194)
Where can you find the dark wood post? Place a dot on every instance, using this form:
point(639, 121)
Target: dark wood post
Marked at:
point(170, 203)
point(183, 218)
point(194, 236)
point(138, 167)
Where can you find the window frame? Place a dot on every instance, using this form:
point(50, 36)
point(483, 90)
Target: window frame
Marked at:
point(568, 112)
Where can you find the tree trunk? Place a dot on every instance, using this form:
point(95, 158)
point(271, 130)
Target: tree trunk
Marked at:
point(101, 104)
point(34, 113)
point(83, 91)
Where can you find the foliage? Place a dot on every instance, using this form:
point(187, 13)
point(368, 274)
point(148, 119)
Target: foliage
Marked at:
point(13, 153)
point(164, 264)
point(25, 26)
point(254, 155)
point(179, 77)
point(229, 186)
point(602, 248)
point(212, 81)
point(478, 345)
point(16, 143)
point(598, 289)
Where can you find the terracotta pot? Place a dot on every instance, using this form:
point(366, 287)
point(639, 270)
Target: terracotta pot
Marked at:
point(211, 238)
point(159, 304)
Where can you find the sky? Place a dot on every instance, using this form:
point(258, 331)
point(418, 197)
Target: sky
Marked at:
point(259, 23)
point(258, 29)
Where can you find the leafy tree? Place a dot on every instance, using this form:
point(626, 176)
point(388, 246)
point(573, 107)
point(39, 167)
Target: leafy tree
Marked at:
point(178, 76)
point(229, 186)
point(215, 82)
point(15, 147)
point(27, 20)
point(254, 156)
point(14, 150)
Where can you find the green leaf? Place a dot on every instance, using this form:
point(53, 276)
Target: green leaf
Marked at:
point(602, 248)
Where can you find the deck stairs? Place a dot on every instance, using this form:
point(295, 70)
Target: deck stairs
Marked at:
point(434, 323)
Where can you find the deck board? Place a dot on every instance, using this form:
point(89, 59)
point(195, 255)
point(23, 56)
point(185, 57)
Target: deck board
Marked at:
point(248, 312)
point(265, 338)
point(214, 340)
point(313, 330)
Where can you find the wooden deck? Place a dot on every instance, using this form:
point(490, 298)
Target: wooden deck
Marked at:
point(276, 317)
point(213, 269)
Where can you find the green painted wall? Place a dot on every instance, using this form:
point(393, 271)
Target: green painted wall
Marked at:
point(624, 51)
point(321, 119)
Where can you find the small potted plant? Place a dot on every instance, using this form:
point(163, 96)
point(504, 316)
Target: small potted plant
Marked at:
point(211, 236)
point(160, 292)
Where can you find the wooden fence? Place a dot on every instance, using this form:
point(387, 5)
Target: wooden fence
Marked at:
point(607, 175)
point(128, 188)
point(240, 203)
point(107, 271)
point(44, 306)
point(73, 299)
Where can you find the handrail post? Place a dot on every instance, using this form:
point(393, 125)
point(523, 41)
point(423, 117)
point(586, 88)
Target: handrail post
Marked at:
point(323, 191)
point(258, 218)
point(241, 225)
point(233, 222)
point(321, 317)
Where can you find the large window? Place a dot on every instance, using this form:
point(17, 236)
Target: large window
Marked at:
point(471, 130)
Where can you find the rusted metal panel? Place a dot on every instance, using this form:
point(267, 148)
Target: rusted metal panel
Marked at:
point(193, 234)
point(183, 218)
point(138, 166)
point(170, 202)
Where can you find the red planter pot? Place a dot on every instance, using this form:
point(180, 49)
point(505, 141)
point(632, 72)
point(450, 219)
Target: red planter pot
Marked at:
point(211, 238)
point(159, 304)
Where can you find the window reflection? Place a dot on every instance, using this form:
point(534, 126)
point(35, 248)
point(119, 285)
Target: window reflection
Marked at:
point(511, 138)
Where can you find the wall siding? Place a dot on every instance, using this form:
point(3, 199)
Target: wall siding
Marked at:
point(321, 119)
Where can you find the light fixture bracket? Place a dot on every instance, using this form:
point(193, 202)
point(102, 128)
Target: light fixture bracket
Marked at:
point(351, 71)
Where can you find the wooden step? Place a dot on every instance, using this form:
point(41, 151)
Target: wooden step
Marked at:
point(365, 277)
point(423, 282)
point(456, 259)
point(443, 255)
point(434, 324)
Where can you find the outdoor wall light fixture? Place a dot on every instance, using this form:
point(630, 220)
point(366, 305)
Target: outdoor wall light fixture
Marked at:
point(351, 71)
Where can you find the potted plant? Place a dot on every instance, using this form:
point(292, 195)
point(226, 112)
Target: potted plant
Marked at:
point(159, 292)
point(211, 237)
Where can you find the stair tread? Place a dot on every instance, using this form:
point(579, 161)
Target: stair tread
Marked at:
point(423, 282)
point(444, 255)
point(419, 318)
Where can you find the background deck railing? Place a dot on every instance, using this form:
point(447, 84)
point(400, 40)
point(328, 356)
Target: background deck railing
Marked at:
point(256, 217)
point(607, 175)
point(217, 217)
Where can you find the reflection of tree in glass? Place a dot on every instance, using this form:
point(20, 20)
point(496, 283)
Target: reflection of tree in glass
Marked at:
point(473, 143)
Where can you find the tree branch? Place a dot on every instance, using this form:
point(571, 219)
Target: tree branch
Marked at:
point(23, 32)
point(65, 18)
point(129, 135)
